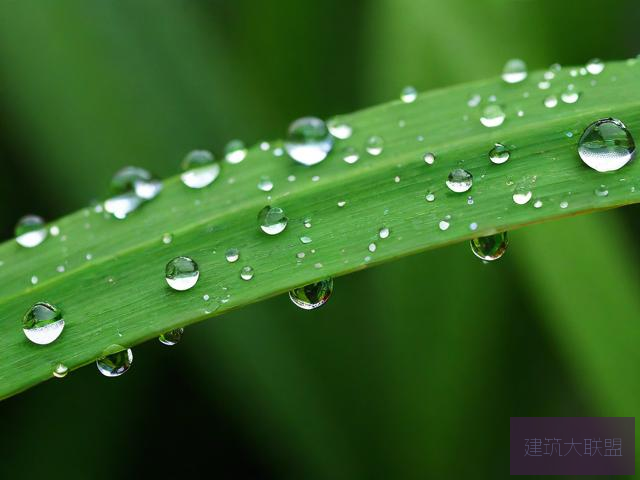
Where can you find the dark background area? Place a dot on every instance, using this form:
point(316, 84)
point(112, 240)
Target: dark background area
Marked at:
point(414, 368)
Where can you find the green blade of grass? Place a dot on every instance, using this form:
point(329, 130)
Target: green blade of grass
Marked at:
point(120, 296)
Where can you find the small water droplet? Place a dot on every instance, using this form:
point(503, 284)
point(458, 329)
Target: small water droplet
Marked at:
point(167, 238)
point(272, 220)
point(606, 145)
point(443, 225)
point(570, 95)
point(474, 100)
point(372, 247)
point(235, 152)
point(350, 155)
point(34, 280)
point(314, 295)
point(396, 179)
point(595, 66)
point(182, 273)
point(374, 145)
point(408, 94)
point(246, 273)
point(315, 178)
point(60, 370)
point(43, 323)
point(135, 180)
point(305, 239)
point(171, 337)
point(459, 180)
point(521, 195)
point(544, 85)
point(54, 230)
point(291, 178)
point(470, 200)
point(300, 255)
point(317, 265)
point(265, 146)
point(490, 248)
point(430, 197)
point(601, 191)
point(308, 141)
point(384, 233)
point(278, 152)
point(551, 101)
point(339, 129)
point(199, 169)
point(341, 203)
point(473, 226)
point(115, 361)
point(429, 158)
point(232, 255)
point(499, 154)
point(265, 184)
point(492, 116)
point(514, 71)
point(307, 223)
point(564, 204)
point(60, 269)
point(30, 231)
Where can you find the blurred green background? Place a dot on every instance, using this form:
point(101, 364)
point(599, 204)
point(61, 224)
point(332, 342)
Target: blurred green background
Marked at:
point(414, 368)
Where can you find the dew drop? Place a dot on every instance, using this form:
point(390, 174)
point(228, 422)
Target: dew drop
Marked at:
point(606, 145)
point(167, 238)
point(514, 71)
point(443, 225)
point(199, 169)
point(54, 230)
point(374, 145)
point(34, 280)
point(314, 295)
point(372, 247)
point(339, 129)
point(537, 204)
point(265, 146)
point(272, 220)
point(521, 195)
point(308, 141)
point(182, 273)
point(235, 152)
point(341, 203)
point(429, 158)
point(490, 248)
point(595, 66)
point(30, 231)
point(265, 184)
point(60, 370)
point(430, 197)
point(121, 206)
point(232, 255)
point(384, 233)
point(601, 191)
point(171, 337)
point(43, 323)
point(551, 101)
point(115, 361)
point(499, 154)
point(492, 116)
point(305, 239)
point(564, 204)
point(246, 273)
point(350, 155)
point(135, 180)
point(459, 180)
point(474, 100)
point(570, 95)
point(408, 94)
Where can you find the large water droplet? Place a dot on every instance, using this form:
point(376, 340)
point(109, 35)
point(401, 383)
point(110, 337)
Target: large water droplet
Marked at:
point(408, 94)
point(30, 231)
point(570, 95)
point(272, 220)
point(313, 295)
point(429, 158)
point(606, 145)
point(246, 273)
point(492, 116)
point(115, 361)
point(374, 145)
point(339, 129)
point(522, 194)
point(235, 151)
point(232, 255)
point(514, 71)
point(551, 101)
point(459, 180)
point(136, 180)
point(182, 273)
point(43, 323)
point(122, 205)
point(199, 169)
point(499, 154)
point(308, 141)
point(171, 337)
point(60, 370)
point(595, 66)
point(490, 248)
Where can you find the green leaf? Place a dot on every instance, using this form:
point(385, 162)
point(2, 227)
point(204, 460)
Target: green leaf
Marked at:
point(119, 296)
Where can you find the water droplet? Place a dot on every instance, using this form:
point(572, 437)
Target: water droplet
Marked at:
point(308, 141)
point(278, 152)
point(171, 337)
point(384, 233)
point(43, 323)
point(232, 255)
point(430, 197)
point(30, 231)
point(34, 280)
point(551, 101)
point(265, 184)
point(429, 158)
point(122, 205)
point(60, 269)
point(595, 66)
point(54, 230)
point(499, 154)
point(443, 225)
point(601, 191)
point(408, 94)
point(544, 85)
point(313, 295)
point(474, 100)
point(396, 179)
point(315, 178)
point(350, 155)
point(60, 370)
point(115, 361)
point(459, 180)
point(199, 169)
point(339, 129)
point(606, 145)
point(341, 203)
point(135, 180)
point(317, 265)
point(167, 238)
point(514, 71)
point(307, 223)
point(372, 247)
point(490, 248)
point(305, 239)
point(564, 204)
point(537, 204)
point(182, 273)
point(492, 116)
point(570, 95)
point(473, 226)
point(235, 152)
point(470, 200)
point(272, 220)
point(246, 273)
point(521, 195)
point(265, 146)
point(375, 145)
point(300, 255)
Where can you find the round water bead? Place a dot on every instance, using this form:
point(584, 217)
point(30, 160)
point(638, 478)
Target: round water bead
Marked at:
point(514, 71)
point(339, 129)
point(137, 180)
point(235, 151)
point(374, 145)
point(492, 116)
point(182, 273)
point(408, 94)
point(246, 273)
point(595, 66)
point(272, 220)
point(429, 158)
point(308, 141)
point(606, 145)
point(171, 337)
point(43, 323)
point(499, 154)
point(232, 255)
point(199, 169)
point(313, 295)
point(115, 361)
point(490, 248)
point(60, 370)
point(30, 231)
point(459, 180)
